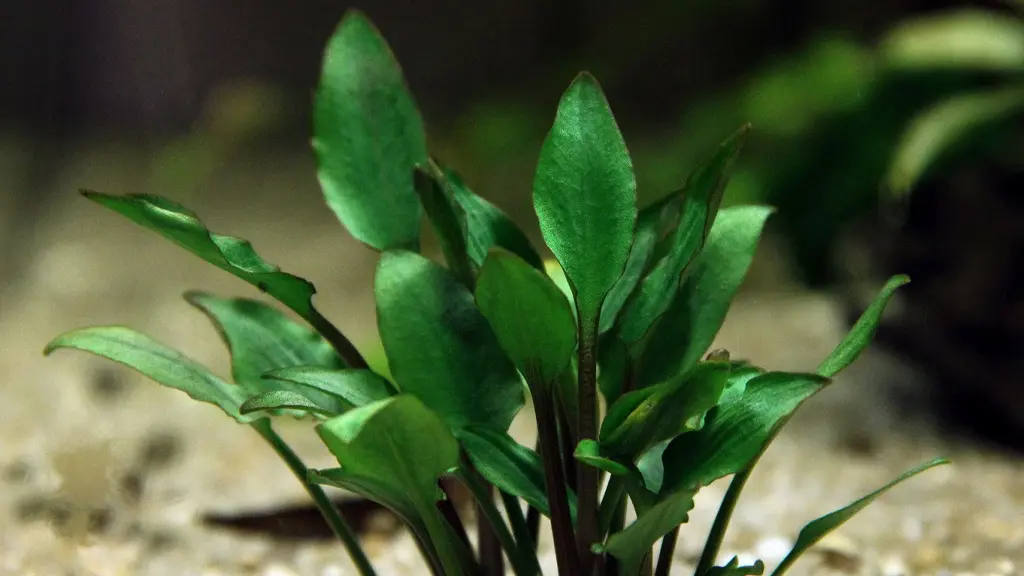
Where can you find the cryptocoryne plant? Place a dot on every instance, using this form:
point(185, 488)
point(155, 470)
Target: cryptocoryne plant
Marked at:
point(627, 309)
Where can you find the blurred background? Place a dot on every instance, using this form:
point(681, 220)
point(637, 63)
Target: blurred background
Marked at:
point(887, 134)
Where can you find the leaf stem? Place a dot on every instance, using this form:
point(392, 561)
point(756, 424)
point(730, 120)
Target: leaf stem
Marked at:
point(489, 541)
point(533, 525)
point(447, 510)
point(348, 352)
point(717, 533)
point(520, 528)
point(668, 549)
point(613, 495)
point(587, 477)
point(522, 564)
point(554, 478)
point(327, 508)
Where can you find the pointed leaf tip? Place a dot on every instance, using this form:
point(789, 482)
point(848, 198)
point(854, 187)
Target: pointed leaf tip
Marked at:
point(368, 137)
point(863, 330)
point(584, 194)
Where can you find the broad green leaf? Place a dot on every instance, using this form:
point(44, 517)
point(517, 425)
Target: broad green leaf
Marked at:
point(488, 226)
point(529, 315)
point(672, 408)
point(817, 529)
point(352, 387)
point(368, 138)
point(733, 568)
point(584, 194)
point(737, 430)
point(448, 220)
point(625, 406)
point(701, 198)
point(932, 132)
point(397, 502)
point(589, 452)
point(440, 348)
point(277, 400)
point(653, 222)
point(156, 361)
point(400, 446)
point(228, 253)
point(740, 375)
point(651, 468)
point(860, 335)
point(691, 323)
point(970, 39)
point(635, 541)
point(262, 338)
point(398, 442)
point(507, 464)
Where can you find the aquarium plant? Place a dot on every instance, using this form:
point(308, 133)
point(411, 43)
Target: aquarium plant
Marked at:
point(626, 310)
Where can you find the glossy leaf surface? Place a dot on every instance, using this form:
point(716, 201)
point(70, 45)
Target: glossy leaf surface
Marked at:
point(368, 138)
point(156, 361)
point(529, 315)
point(440, 348)
point(584, 193)
point(690, 325)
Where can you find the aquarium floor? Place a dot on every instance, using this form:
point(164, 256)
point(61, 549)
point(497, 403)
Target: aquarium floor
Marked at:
point(103, 473)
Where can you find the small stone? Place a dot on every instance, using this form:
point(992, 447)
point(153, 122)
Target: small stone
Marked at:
point(839, 553)
point(275, 570)
point(893, 566)
point(18, 472)
point(774, 548)
point(927, 557)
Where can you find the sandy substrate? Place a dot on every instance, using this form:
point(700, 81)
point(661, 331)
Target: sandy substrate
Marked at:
point(102, 472)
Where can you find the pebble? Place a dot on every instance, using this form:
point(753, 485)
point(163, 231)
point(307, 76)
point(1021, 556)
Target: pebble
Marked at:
point(839, 553)
point(894, 566)
point(277, 570)
point(774, 548)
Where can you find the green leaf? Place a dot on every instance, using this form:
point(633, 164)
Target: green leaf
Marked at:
point(228, 253)
point(448, 219)
point(400, 446)
point(934, 131)
point(584, 194)
point(368, 138)
point(691, 323)
point(737, 430)
point(589, 452)
point(398, 502)
point(816, 530)
point(158, 362)
point(860, 335)
point(969, 39)
point(652, 223)
point(276, 400)
point(701, 197)
point(733, 568)
point(529, 315)
point(440, 348)
point(262, 338)
point(651, 468)
point(670, 409)
point(398, 442)
point(352, 387)
point(488, 226)
point(507, 464)
point(635, 541)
